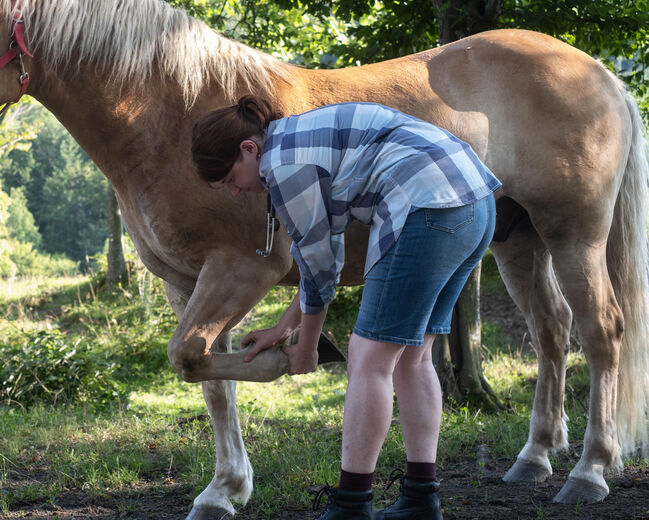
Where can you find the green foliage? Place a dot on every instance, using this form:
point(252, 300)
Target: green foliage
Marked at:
point(45, 367)
point(98, 440)
point(6, 265)
point(18, 237)
point(86, 344)
point(74, 206)
point(30, 262)
point(286, 31)
point(21, 222)
point(343, 312)
point(19, 127)
point(65, 192)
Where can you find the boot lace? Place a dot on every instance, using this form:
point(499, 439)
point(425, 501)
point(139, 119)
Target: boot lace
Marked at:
point(396, 474)
point(324, 490)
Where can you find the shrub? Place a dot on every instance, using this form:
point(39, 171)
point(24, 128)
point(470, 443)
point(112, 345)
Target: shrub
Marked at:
point(29, 262)
point(43, 366)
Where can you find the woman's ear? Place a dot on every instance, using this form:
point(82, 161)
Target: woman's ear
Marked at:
point(249, 146)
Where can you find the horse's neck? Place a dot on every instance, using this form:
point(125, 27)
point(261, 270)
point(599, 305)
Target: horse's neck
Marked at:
point(116, 127)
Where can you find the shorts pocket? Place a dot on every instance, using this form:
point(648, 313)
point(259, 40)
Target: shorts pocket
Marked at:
point(450, 220)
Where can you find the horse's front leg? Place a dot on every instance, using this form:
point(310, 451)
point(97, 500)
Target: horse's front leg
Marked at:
point(228, 286)
point(233, 473)
point(217, 298)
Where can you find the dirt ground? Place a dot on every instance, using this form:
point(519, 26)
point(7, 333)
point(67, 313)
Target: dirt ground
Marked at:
point(468, 491)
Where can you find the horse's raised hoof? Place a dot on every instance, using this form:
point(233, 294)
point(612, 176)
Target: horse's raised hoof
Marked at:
point(209, 513)
point(526, 471)
point(581, 491)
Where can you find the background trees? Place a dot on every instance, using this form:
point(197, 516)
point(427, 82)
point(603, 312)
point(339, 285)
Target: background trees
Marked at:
point(57, 196)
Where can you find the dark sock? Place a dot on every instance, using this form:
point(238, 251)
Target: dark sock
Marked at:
point(420, 471)
point(355, 481)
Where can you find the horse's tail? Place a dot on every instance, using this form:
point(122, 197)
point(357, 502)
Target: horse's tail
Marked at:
point(628, 265)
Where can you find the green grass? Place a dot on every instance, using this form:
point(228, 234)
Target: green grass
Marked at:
point(155, 433)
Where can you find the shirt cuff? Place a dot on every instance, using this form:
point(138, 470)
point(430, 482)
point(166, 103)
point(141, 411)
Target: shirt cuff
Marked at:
point(311, 309)
point(315, 302)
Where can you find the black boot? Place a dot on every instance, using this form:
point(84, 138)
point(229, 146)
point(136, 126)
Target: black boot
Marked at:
point(417, 501)
point(345, 505)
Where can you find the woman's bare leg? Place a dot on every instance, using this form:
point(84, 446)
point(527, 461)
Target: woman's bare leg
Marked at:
point(420, 401)
point(368, 404)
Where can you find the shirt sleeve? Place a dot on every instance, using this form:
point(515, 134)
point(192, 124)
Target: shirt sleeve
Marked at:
point(301, 195)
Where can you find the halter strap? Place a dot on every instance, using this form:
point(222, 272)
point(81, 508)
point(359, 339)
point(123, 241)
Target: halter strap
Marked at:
point(17, 38)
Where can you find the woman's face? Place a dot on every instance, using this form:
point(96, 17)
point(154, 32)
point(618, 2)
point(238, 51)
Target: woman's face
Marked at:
point(244, 175)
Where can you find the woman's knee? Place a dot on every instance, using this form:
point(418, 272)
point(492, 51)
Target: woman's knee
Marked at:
point(373, 357)
point(415, 356)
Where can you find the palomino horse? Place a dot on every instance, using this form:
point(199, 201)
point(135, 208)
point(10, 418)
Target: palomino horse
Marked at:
point(128, 79)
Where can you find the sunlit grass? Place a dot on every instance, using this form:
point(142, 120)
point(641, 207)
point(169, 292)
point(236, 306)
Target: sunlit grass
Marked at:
point(20, 297)
point(14, 289)
point(159, 432)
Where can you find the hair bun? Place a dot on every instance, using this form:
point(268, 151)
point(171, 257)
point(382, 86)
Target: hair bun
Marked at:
point(257, 110)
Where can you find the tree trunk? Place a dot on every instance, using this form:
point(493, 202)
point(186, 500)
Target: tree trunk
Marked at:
point(116, 264)
point(461, 18)
point(458, 357)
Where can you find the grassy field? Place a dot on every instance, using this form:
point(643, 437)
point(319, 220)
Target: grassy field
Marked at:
point(113, 420)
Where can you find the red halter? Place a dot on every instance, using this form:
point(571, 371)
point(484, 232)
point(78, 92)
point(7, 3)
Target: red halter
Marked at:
point(17, 39)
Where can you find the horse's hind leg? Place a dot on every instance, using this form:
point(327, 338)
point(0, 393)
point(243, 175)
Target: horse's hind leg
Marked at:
point(526, 268)
point(233, 474)
point(583, 272)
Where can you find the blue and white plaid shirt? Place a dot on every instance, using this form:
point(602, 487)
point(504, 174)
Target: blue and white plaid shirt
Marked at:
point(360, 161)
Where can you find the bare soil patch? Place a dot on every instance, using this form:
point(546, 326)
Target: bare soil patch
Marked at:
point(468, 493)
point(498, 307)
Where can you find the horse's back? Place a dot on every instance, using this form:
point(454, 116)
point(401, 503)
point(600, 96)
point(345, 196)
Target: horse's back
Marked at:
point(550, 121)
point(544, 116)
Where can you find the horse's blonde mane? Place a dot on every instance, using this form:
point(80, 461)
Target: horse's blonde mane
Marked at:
point(133, 39)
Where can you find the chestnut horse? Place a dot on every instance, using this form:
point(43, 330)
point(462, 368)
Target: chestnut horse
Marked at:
point(128, 79)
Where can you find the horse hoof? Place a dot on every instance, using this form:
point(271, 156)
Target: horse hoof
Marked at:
point(526, 471)
point(577, 490)
point(209, 513)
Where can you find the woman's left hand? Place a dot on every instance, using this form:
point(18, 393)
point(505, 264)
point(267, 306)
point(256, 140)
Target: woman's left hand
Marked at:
point(302, 357)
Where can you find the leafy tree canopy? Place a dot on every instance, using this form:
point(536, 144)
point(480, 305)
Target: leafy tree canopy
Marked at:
point(19, 127)
point(64, 191)
point(6, 265)
point(21, 223)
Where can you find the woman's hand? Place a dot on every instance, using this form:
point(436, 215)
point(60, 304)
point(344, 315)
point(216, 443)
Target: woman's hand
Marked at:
point(302, 357)
point(263, 339)
point(269, 338)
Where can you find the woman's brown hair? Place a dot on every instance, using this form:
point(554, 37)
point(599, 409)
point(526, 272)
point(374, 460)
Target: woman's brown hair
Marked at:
point(217, 135)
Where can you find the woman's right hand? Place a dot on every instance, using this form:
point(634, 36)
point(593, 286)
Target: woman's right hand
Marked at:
point(263, 339)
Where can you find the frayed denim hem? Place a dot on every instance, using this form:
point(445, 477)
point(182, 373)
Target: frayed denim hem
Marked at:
point(388, 339)
point(439, 330)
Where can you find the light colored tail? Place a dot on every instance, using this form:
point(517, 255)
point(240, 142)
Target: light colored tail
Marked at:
point(628, 265)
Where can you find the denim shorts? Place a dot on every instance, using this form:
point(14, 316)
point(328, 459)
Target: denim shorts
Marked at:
point(412, 289)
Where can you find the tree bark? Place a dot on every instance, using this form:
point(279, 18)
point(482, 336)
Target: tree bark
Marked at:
point(116, 264)
point(458, 357)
